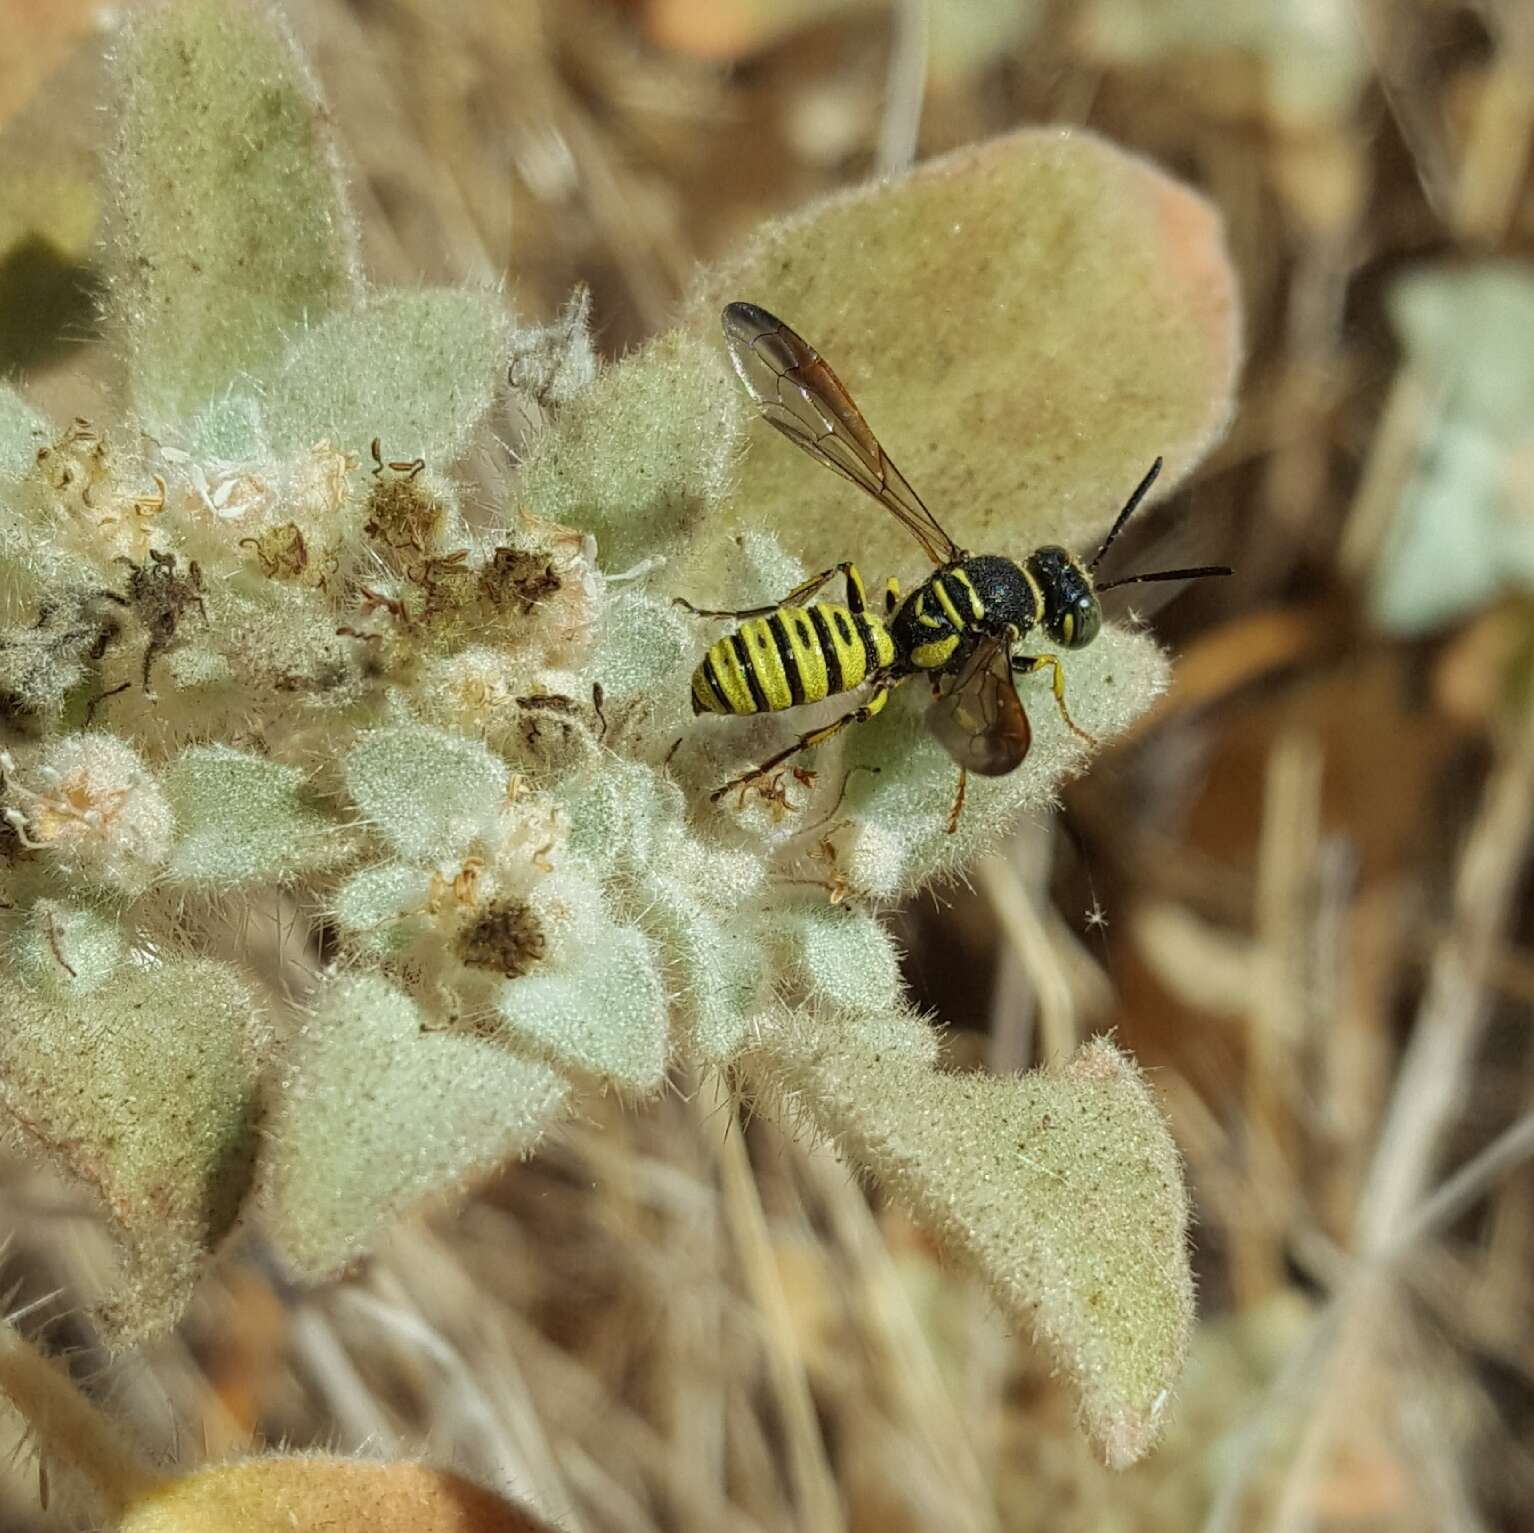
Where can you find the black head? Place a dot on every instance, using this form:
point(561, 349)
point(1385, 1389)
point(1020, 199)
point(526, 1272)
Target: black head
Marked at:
point(1072, 615)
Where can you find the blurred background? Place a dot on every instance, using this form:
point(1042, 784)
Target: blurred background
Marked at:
point(1295, 891)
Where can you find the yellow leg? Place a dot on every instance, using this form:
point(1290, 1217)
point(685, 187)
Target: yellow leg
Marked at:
point(856, 597)
point(875, 704)
point(1027, 664)
point(891, 596)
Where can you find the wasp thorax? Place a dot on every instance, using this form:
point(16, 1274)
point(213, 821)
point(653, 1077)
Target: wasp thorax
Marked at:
point(1072, 615)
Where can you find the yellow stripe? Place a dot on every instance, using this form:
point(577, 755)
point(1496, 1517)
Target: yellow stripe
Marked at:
point(976, 606)
point(929, 657)
point(1038, 594)
point(784, 644)
point(732, 685)
point(848, 644)
point(703, 693)
point(767, 663)
point(806, 647)
point(945, 601)
point(924, 617)
point(884, 646)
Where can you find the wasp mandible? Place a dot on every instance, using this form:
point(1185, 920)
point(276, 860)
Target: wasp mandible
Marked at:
point(963, 626)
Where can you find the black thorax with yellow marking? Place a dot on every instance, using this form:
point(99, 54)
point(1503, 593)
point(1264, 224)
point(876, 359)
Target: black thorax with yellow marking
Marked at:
point(938, 625)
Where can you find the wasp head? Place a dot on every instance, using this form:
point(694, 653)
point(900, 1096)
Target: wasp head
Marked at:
point(1072, 615)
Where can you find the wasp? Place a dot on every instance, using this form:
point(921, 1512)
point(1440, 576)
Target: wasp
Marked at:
point(964, 626)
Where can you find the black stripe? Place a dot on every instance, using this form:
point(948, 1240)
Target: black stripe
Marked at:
point(778, 627)
point(743, 654)
point(711, 676)
point(828, 650)
point(870, 648)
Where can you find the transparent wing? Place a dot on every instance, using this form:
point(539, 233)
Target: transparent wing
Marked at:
point(978, 717)
point(800, 395)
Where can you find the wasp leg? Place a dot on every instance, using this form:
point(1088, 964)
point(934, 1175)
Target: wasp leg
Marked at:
point(958, 801)
point(857, 597)
point(1027, 664)
point(815, 737)
point(891, 596)
point(795, 597)
point(800, 593)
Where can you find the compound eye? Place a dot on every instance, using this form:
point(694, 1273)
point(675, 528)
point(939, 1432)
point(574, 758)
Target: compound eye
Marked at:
point(1082, 625)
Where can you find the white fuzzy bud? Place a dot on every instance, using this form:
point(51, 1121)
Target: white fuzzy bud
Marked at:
point(93, 806)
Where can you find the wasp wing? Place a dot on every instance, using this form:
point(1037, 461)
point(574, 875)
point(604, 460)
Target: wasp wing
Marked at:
point(978, 717)
point(800, 395)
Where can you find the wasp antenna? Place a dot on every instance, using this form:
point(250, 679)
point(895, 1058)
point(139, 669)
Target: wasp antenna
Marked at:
point(1130, 507)
point(1197, 573)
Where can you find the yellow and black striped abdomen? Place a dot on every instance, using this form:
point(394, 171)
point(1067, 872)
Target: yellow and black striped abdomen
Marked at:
point(795, 655)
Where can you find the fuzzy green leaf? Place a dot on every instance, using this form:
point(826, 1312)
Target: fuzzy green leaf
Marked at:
point(145, 1092)
point(620, 810)
point(379, 909)
point(240, 821)
point(714, 969)
point(417, 370)
point(230, 429)
point(230, 228)
point(379, 1113)
point(648, 651)
point(1462, 533)
point(22, 432)
point(64, 951)
point(842, 957)
point(606, 1018)
point(1026, 324)
point(553, 363)
point(1062, 1189)
point(642, 454)
point(427, 793)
